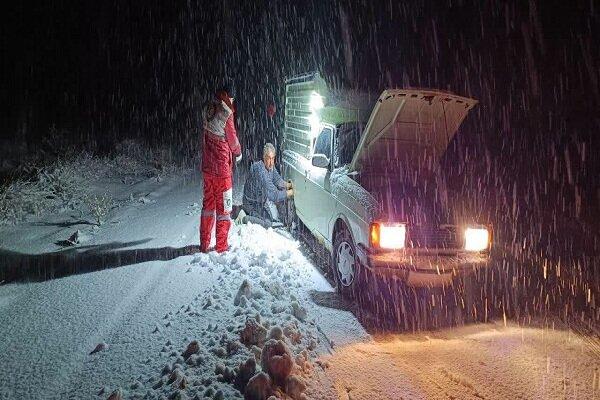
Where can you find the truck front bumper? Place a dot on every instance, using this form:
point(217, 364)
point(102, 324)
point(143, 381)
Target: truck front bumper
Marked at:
point(422, 268)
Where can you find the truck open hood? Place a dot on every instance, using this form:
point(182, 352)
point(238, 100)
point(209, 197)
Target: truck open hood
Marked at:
point(410, 128)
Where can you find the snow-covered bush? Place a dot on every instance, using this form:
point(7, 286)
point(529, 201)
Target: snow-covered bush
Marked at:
point(41, 189)
point(67, 182)
point(130, 158)
point(133, 158)
point(16, 201)
point(99, 206)
point(62, 180)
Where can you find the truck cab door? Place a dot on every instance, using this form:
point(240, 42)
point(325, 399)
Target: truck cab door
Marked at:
point(296, 169)
point(318, 186)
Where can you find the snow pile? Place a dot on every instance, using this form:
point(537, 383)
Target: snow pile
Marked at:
point(249, 335)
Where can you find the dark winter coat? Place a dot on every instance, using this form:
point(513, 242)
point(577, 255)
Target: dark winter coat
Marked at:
point(262, 185)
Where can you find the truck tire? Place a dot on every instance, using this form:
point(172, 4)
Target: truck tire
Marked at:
point(345, 266)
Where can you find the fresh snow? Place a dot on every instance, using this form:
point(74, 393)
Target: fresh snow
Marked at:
point(347, 189)
point(199, 326)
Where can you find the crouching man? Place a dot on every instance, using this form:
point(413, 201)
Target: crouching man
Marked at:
point(264, 191)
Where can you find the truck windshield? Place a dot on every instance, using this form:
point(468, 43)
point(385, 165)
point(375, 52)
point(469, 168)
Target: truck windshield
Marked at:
point(347, 138)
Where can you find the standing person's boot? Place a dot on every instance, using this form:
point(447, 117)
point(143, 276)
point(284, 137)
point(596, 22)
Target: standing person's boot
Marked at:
point(207, 216)
point(224, 207)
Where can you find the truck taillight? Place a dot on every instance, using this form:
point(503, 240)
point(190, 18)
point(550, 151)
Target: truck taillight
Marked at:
point(388, 236)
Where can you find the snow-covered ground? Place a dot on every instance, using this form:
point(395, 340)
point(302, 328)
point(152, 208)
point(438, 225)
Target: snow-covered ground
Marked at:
point(172, 323)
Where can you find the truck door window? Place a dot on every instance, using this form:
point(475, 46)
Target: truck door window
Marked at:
point(347, 138)
point(323, 142)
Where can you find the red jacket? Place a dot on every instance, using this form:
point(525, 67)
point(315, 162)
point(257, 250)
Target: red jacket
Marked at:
point(221, 143)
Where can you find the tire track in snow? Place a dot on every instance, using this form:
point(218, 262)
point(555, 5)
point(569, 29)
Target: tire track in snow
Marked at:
point(127, 318)
point(111, 329)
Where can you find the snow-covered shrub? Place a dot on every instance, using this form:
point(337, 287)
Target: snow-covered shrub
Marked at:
point(66, 182)
point(130, 158)
point(62, 180)
point(41, 189)
point(91, 167)
point(99, 206)
point(162, 160)
point(15, 202)
point(133, 158)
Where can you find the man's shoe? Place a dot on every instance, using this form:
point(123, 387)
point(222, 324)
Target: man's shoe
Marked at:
point(276, 224)
point(240, 219)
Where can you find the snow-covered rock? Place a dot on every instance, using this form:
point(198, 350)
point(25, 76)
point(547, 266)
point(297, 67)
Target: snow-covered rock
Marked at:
point(116, 395)
point(276, 333)
point(246, 370)
point(244, 290)
point(277, 360)
point(253, 333)
point(295, 386)
point(192, 348)
point(233, 347)
point(224, 373)
point(242, 301)
point(259, 387)
point(290, 330)
point(74, 238)
point(177, 379)
point(99, 347)
point(298, 311)
point(303, 361)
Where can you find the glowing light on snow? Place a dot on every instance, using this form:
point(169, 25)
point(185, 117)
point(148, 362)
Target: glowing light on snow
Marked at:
point(316, 102)
point(315, 124)
point(476, 239)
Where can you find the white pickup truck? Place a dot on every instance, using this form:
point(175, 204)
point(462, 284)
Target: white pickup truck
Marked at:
point(367, 182)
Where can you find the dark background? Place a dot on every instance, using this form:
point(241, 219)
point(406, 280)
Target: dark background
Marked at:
point(94, 73)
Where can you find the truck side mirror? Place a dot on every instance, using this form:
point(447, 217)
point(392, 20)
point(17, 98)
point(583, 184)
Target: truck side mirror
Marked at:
point(320, 160)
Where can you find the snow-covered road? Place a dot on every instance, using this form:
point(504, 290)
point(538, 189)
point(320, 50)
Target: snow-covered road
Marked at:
point(490, 361)
point(165, 296)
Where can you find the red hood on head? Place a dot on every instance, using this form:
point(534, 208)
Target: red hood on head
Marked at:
point(224, 97)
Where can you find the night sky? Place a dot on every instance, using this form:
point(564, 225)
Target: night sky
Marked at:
point(142, 68)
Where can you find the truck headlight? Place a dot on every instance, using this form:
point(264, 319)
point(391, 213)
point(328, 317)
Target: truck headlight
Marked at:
point(477, 239)
point(388, 236)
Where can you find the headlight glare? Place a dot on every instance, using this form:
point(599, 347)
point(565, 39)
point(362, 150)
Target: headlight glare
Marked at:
point(477, 239)
point(388, 236)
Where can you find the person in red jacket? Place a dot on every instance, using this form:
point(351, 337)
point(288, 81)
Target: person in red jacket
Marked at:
point(221, 145)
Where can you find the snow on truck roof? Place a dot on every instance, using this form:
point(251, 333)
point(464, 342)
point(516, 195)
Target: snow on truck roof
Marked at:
point(427, 94)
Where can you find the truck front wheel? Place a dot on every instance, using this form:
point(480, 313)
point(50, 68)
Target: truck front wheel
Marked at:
point(345, 264)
